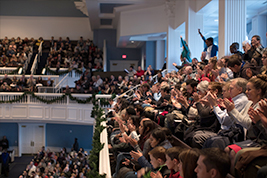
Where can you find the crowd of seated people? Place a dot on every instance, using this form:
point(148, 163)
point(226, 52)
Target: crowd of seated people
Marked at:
point(14, 52)
point(65, 164)
point(81, 54)
point(218, 107)
point(22, 84)
point(90, 84)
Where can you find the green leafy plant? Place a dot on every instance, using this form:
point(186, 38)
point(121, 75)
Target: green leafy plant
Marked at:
point(97, 146)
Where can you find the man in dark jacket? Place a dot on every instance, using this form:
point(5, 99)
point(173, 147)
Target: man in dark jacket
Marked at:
point(5, 160)
point(254, 54)
point(76, 145)
point(242, 69)
point(4, 143)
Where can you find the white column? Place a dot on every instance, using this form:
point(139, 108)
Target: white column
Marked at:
point(160, 54)
point(193, 39)
point(173, 36)
point(259, 27)
point(232, 24)
point(173, 47)
point(143, 51)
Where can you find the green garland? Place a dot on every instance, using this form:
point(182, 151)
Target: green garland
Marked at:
point(93, 159)
point(62, 72)
point(103, 101)
point(97, 146)
point(14, 71)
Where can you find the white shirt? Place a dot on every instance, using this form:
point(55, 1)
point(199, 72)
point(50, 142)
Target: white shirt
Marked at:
point(223, 117)
point(208, 56)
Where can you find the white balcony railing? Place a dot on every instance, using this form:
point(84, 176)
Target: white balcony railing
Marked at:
point(31, 109)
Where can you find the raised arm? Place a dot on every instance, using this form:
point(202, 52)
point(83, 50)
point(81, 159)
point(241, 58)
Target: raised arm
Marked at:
point(184, 44)
point(201, 35)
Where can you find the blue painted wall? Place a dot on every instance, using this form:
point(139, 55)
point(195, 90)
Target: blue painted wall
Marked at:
point(57, 135)
point(150, 54)
point(114, 53)
point(11, 132)
point(62, 135)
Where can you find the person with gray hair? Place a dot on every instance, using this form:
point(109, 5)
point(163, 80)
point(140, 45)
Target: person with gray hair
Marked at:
point(189, 73)
point(237, 92)
point(203, 86)
point(229, 119)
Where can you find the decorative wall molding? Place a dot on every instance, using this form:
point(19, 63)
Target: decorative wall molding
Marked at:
point(47, 113)
point(81, 5)
point(170, 8)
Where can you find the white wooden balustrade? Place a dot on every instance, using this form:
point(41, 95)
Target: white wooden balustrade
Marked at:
point(30, 109)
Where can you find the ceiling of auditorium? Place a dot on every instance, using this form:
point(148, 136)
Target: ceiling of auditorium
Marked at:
point(103, 14)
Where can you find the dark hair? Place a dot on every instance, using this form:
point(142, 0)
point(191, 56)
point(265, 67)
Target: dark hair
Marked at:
point(193, 83)
point(147, 124)
point(166, 89)
point(235, 45)
point(210, 39)
point(168, 134)
point(215, 158)
point(136, 121)
point(260, 82)
point(149, 115)
point(226, 58)
point(130, 111)
point(124, 103)
point(140, 109)
point(234, 60)
point(146, 85)
point(158, 152)
point(216, 85)
point(174, 152)
point(257, 37)
point(159, 135)
point(189, 160)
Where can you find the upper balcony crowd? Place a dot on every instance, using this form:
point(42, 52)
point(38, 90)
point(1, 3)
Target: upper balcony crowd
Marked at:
point(14, 52)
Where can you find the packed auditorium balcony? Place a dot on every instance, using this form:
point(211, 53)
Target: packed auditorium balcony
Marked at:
point(199, 112)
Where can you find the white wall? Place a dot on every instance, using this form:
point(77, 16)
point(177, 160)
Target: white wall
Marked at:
point(143, 21)
point(259, 27)
point(27, 26)
point(55, 113)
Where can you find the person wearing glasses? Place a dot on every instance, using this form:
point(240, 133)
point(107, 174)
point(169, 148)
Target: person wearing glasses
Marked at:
point(254, 54)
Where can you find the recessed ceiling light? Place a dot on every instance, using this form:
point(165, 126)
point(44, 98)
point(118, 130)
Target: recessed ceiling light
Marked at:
point(216, 20)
